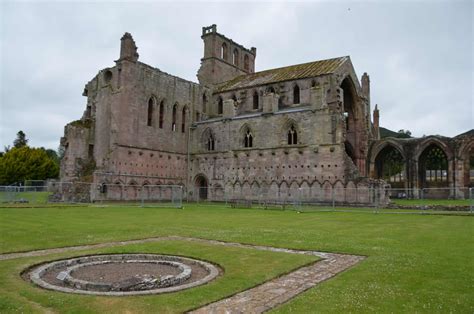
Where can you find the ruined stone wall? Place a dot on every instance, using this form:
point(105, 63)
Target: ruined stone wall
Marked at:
point(129, 144)
point(76, 141)
point(458, 151)
point(318, 158)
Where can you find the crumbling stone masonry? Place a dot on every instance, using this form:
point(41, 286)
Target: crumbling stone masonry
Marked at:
point(243, 133)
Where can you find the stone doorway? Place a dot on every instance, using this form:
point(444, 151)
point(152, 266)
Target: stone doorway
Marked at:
point(202, 186)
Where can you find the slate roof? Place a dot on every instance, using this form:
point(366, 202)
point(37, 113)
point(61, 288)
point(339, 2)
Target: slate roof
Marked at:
point(293, 72)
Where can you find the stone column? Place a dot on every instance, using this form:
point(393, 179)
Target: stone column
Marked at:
point(270, 103)
point(229, 108)
point(317, 98)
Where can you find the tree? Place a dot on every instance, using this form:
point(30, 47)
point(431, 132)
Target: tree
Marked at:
point(25, 163)
point(20, 140)
point(404, 134)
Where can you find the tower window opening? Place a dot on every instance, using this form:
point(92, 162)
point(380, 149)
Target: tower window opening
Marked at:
point(235, 57)
point(224, 51)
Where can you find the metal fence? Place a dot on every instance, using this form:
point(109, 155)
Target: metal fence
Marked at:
point(323, 198)
point(365, 196)
point(440, 199)
point(24, 194)
point(87, 193)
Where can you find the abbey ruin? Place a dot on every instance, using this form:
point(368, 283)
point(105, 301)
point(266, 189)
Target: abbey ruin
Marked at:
point(238, 132)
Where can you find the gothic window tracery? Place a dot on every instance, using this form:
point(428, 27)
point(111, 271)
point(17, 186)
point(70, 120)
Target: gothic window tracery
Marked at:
point(292, 136)
point(248, 139)
point(210, 143)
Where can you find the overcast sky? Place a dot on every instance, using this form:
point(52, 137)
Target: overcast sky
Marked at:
point(419, 54)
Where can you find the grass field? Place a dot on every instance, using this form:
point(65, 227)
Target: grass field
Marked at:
point(442, 202)
point(415, 263)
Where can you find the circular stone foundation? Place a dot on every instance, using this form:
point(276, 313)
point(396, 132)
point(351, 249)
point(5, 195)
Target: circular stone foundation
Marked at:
point(122, 274)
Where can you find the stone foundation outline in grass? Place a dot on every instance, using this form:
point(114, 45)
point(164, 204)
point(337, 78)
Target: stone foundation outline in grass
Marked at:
point(261, 298)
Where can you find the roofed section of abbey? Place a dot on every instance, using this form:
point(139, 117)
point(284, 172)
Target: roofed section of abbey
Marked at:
point(240, 132)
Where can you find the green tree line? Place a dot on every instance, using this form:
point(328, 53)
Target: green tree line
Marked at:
point(22, 162)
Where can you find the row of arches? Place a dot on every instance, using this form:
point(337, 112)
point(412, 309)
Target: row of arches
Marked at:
point(256, 99)
point(247, 136)
point(427, 163)
point(131, 190)
point(152, 106)
point(302, 191)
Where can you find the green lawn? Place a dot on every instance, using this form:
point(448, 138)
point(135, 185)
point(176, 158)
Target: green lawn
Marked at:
point(31, 197)
point(423, 202)
point(416, 263)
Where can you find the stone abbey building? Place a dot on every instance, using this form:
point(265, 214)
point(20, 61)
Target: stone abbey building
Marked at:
point(304, 128)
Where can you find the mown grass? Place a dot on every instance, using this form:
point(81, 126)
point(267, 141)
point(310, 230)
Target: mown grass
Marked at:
point(243, 268)
point(431, 202)
point(416, 263)
point(30, 197)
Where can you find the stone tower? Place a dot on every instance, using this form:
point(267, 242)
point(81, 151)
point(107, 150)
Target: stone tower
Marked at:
point(223, 58)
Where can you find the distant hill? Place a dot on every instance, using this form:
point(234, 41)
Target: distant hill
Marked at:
point(389, 133)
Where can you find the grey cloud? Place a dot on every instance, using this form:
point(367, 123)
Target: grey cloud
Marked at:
point(418, 54)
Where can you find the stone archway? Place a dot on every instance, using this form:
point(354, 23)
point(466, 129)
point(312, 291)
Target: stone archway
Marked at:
point(201, 185)
point(390, 165)
point(433, 167)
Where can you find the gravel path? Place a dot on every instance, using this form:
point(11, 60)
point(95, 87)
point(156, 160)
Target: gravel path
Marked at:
point(255, 300)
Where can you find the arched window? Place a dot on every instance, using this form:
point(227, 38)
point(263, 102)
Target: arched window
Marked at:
point(292, 136)
point(173, 124)
point(296, 94)
point(390, 166)
point(255, 100)
point(198, 116)
point(224, 51)
point(183, 121)
point(246, 62)
point(220, 105)
point(235, 57)
point(248, 139)
point(162, 111)
point(204, 102)
point(433, 167)
point(149, 120)
point(210, 143)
